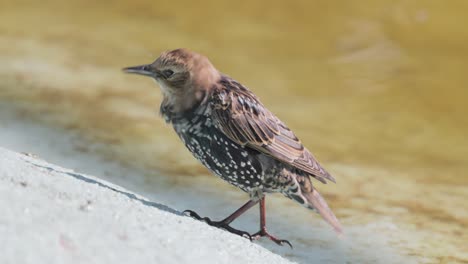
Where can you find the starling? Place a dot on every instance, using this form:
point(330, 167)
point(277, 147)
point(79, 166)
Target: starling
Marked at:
point(228, 129)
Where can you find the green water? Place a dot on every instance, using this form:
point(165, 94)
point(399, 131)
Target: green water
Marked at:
point(376, 89)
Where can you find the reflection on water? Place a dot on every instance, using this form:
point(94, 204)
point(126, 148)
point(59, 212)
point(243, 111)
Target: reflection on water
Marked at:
point(376, 90)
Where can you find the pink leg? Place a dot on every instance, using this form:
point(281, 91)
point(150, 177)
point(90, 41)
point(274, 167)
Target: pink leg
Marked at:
point(263, 231)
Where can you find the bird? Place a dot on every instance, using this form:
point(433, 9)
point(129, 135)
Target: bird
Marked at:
point(227, 128)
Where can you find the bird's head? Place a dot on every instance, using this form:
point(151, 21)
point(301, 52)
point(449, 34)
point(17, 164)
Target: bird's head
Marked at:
point(184, 77)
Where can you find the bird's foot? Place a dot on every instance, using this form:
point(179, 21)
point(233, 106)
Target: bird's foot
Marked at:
point(218, 224)
point(264, 233)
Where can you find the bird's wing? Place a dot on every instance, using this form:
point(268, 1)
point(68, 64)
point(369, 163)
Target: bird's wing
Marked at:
point(239, 115)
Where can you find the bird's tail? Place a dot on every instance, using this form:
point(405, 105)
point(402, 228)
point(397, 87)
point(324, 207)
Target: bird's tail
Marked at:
point(313, 200)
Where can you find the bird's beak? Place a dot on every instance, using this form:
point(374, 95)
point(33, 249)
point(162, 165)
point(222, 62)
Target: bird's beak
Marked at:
point(141, 69)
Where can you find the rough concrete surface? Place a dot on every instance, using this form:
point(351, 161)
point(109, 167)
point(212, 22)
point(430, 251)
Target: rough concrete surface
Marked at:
point(54, 215)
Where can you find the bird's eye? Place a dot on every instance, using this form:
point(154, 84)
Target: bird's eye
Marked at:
point(168, 73)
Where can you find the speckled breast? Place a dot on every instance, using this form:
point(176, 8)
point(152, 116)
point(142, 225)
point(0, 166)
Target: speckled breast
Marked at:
point(232, 162)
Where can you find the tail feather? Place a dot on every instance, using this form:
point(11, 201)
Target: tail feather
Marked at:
point(315, 201)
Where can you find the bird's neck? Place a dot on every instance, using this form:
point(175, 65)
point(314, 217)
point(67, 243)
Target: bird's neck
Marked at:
point(173, 108)
point(196, 92)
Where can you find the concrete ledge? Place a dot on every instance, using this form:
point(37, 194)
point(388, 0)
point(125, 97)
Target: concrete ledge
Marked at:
point(54, 215)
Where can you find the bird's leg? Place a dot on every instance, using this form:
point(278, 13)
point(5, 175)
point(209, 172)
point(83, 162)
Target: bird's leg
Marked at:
point(263, 231)
point(224, 224)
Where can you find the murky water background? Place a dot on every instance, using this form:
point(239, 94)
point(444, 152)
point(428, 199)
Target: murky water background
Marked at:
point(377, 90)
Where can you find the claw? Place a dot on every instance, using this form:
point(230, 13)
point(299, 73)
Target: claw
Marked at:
point(191, 214)
point(198, 217)
point(264, 233)
point(283, 241)
point(218, 224)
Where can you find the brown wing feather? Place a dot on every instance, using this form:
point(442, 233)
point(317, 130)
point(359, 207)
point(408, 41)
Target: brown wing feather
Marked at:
point(240, 115)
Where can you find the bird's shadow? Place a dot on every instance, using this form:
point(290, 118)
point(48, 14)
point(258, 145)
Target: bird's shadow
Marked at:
point(130, 195)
